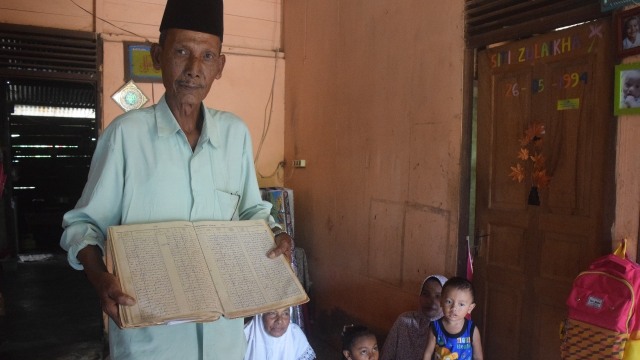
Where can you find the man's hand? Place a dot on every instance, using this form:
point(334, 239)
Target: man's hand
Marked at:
point(110, 294)
point(106, 285)
point(284, 245)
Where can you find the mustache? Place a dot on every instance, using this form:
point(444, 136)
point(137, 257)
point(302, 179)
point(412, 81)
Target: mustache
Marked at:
point(189, 83)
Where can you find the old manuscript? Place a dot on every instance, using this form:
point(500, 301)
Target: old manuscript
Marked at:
point(198, 271)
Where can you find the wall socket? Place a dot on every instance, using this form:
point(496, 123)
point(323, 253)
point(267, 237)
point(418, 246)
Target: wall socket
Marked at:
point(300, 163)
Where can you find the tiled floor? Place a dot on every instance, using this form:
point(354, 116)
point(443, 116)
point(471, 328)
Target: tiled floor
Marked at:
point(52, 313)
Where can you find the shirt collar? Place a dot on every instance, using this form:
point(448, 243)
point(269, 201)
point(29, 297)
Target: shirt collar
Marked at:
point(168, 125)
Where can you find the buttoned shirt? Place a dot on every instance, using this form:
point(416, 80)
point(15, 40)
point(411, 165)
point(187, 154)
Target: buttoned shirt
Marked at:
point(144, 170)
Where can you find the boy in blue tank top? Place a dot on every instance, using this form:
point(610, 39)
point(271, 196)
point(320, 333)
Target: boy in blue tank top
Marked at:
point(454, 336)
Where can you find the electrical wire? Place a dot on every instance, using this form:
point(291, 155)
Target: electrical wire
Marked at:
point(268, 111)
point(108, 22)
point(281, 165)
point(266, 124)
point(268, 107)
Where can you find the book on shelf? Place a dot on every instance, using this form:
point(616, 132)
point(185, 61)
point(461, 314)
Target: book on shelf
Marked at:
point(181, 271)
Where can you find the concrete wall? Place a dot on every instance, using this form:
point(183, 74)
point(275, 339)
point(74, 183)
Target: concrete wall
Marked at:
point(253, 75)
point(627, 209)
point(374, 105)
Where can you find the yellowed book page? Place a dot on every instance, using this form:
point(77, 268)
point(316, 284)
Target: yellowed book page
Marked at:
point(248, 282)
point(162, 266)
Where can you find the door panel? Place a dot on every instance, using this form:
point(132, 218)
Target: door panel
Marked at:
point(513, 110)
point(529, 254)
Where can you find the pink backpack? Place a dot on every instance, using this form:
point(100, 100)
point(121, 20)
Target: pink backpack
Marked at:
point(602, 320)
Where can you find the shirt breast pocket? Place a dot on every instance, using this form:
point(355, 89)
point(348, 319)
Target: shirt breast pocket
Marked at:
point(228, 204)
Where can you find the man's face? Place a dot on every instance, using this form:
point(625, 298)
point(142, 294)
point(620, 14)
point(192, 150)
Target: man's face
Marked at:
point(190, 61)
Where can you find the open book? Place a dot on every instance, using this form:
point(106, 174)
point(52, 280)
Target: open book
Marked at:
point(198, 271)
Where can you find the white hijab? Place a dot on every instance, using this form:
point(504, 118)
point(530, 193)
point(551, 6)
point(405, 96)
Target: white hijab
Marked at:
point(292, 345)
point(441, 279)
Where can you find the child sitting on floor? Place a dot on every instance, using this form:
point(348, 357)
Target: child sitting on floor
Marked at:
point(359, 343)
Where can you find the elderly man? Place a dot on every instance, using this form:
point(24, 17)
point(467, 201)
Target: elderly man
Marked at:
point(176, 160)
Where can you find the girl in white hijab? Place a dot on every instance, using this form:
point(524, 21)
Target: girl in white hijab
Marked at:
point(407, 339)
point(271, 336)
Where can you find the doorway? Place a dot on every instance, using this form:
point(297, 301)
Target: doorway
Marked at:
point(49, 136)
point(544, 182)
point(47, 76)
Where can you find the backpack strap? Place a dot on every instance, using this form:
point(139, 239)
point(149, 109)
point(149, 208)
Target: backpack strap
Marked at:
point(621, 251)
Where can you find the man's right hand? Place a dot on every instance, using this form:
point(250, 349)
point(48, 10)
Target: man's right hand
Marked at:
point(107, 286)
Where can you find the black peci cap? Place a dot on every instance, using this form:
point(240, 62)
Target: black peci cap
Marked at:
point(197, 15)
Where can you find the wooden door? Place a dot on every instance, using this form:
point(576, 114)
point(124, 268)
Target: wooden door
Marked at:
point(551, 95)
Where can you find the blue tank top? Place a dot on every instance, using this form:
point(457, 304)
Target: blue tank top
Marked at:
point(449, 344)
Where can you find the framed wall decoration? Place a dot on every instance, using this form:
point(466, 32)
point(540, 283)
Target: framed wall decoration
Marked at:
point(626, 92)
point(606, 5)
point(138, 65)
point(129, 97)
point(627, 25)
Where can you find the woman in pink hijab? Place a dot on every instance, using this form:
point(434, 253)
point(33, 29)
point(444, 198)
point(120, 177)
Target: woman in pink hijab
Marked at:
point(407, 339)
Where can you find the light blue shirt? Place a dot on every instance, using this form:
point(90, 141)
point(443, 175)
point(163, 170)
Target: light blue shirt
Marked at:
point(144, 170)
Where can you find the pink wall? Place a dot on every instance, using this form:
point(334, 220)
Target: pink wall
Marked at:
point(244, 89)
point(374, 104)
point(252, 32)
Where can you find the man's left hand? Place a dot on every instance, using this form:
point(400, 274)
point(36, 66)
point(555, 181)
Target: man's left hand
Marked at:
point(284, 245)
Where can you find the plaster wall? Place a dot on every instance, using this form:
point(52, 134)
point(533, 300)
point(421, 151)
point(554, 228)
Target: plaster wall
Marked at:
point(627, 208)
point(252, 85)
point(374, 105)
